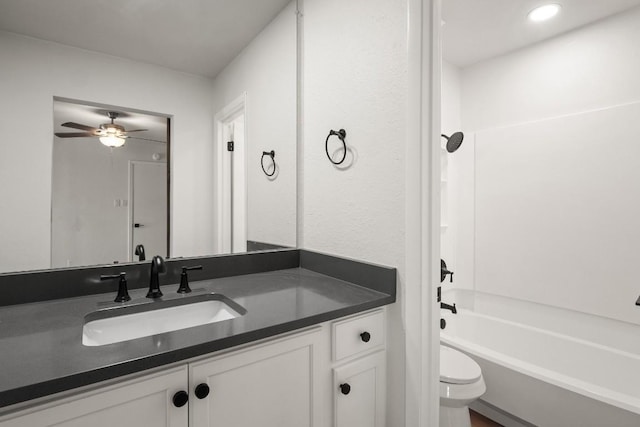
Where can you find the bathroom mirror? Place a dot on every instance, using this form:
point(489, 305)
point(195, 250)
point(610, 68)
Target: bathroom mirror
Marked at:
point(213, 72)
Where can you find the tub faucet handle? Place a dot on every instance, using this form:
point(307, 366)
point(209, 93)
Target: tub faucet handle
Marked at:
point(444, 271)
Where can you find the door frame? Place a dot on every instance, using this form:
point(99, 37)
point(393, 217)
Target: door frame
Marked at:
point(422, 217)
point(222, 193)
point(130, 249)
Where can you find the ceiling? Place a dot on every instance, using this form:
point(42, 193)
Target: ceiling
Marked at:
point(203, 36)
point(476, 30)
point(195, 36)
point(95, 115)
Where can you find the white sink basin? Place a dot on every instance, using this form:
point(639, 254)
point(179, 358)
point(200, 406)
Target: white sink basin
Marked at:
point(126, 323)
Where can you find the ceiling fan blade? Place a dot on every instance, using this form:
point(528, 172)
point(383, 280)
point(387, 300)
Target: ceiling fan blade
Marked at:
point(146, 139)
point(79, 126)
point(73, 134)
point(136, 130)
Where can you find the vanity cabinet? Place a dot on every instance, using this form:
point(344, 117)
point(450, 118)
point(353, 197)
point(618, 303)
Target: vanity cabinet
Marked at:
point(287, 381)
point(359, 371)
point(140, 402)
point(268, 385)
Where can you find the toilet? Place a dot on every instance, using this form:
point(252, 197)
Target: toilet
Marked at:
point(461, 383)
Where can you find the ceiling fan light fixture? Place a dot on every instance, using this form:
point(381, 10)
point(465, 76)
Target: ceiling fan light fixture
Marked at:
point(112, 128)
point(112, 141)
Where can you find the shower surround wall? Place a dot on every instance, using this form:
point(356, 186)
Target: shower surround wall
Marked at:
point(555, 191)
point(457, 184)
point(451, 122)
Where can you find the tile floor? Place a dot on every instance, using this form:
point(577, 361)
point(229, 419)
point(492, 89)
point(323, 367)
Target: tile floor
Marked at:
point(478, 420)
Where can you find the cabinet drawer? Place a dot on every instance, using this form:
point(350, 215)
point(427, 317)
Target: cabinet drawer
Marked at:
point(358, 335)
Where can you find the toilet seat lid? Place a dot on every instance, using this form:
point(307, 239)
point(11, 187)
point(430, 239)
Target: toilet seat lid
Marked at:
point(457, 368)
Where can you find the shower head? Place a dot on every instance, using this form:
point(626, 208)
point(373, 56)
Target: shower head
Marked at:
point(454, 141)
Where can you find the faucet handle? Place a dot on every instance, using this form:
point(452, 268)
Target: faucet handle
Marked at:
point(123, 293)
point(444, 271)
point(104, 277)
point(184, 279)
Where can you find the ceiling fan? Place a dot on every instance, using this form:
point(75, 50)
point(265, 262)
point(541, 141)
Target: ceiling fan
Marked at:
point(110, 134)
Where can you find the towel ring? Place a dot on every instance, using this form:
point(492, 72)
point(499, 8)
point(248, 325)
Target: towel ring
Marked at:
point(271, 154)
point(341, 134)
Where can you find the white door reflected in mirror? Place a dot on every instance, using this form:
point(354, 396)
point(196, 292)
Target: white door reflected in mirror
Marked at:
point(232, 178)
point(148, 207)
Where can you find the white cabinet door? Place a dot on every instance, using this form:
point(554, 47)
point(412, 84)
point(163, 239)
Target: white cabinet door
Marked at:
point(142, 402)
point(271, 385)
point(359, 390)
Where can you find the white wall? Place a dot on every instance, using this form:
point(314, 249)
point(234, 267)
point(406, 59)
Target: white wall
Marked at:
point(32, 73)
point(451, 113)
point(592, 67)
point(87, 178)
point(355, 77)
point(555, 169)
point(266, 71)
point(457, 195)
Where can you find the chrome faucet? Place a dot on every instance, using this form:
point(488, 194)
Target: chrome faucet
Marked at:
point(157, 267)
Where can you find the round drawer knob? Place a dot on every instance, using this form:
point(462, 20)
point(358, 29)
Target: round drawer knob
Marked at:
point(345, 388)
point(180, 399)
point(202, 391)
point(365, 336)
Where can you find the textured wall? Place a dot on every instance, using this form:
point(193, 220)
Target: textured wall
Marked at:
point(355, 77)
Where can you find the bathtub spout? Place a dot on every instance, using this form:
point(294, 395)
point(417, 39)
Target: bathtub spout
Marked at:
point(453, 308)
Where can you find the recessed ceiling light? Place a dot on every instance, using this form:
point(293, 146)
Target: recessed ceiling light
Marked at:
point(543, 13)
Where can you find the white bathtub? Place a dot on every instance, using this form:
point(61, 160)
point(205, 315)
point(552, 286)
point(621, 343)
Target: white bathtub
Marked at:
point(548, 366)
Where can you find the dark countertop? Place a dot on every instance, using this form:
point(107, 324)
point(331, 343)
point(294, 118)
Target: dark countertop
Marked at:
point(41, 349)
